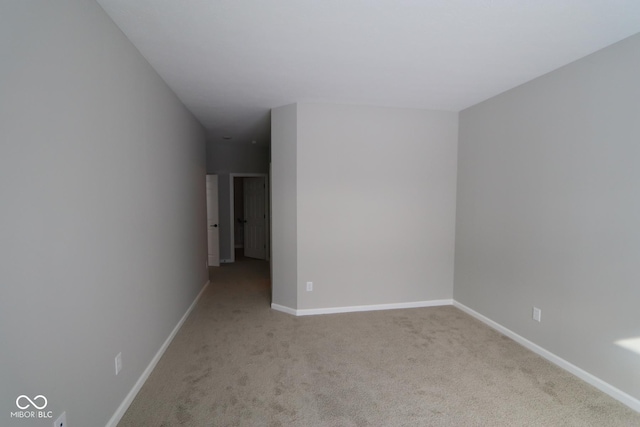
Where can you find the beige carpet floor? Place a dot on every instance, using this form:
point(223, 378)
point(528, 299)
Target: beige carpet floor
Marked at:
point(236, 362)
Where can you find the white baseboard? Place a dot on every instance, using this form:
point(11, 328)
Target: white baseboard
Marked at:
point(356, 308)
point(117, 416)
point(601, 385)
point(283, 309)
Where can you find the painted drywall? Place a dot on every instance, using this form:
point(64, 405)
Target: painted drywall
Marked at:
point(548, 208)
point(223, 159)
point(284, 252)
point(102, 226)
point(375, 205)
point(229, 157)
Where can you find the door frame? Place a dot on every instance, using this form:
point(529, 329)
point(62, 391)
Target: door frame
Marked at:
point(232, 224)
point(208, 180)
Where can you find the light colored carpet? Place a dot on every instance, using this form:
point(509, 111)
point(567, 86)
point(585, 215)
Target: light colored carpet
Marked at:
point(236, 362)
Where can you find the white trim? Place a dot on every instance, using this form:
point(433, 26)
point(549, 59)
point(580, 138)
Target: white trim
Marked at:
point(284, 309)
point(373, 307)
point(601, 385)
point(232, 223)
point(115, 419)
point(357, 308)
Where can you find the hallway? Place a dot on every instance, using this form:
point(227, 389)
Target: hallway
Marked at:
point(243, 283)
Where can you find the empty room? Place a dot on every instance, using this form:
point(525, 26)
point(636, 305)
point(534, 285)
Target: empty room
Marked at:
point(305, 213)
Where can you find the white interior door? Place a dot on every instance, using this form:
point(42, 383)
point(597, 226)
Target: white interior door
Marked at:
point(213, 231)
point(255, 219)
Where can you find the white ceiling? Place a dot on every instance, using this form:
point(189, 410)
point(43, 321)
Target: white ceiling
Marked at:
point(231, 61)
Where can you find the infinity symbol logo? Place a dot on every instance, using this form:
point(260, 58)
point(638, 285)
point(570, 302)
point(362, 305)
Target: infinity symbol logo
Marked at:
point(23, 397)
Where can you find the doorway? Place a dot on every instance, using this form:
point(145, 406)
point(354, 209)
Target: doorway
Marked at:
point(213, 237)
point(249, 217)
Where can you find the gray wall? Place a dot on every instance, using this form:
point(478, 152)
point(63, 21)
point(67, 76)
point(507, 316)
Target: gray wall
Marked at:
point(375, 204)
point(548, 211)
point(102, 223)
point(223, 159)
point(284, 246)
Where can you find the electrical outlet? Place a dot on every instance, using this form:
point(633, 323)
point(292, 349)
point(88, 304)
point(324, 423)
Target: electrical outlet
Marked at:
point(118, 363)
point(537, 314)
point(309, 286)
point(61, 421)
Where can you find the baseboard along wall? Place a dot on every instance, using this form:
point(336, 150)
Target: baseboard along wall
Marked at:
point(601, 385)
point(117, 416)
point(357, 308)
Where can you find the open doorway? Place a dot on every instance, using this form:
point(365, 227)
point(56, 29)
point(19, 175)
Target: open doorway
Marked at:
point(249, 216)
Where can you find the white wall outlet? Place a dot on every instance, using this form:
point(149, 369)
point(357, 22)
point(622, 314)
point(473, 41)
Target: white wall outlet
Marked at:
point(537, 314)
point(61, 421)
point(118, 363)
point(309, 286)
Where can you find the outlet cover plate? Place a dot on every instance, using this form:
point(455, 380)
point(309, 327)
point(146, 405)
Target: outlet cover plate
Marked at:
point(61, 421)
point(118, 363)
point(537, 314)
